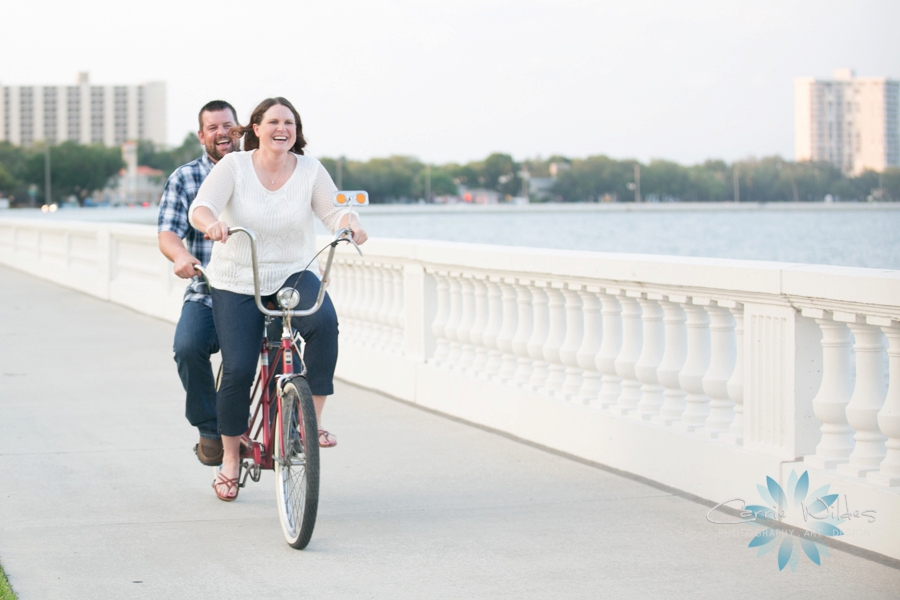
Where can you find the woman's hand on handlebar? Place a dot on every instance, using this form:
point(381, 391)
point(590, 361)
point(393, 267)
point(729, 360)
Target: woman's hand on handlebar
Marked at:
point(358, 233)
point(217, 232)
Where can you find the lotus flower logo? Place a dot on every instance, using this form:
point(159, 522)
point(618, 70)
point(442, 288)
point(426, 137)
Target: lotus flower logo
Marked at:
point(817, 514)
point(820, 510)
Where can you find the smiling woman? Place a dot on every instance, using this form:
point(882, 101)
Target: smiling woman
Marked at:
point(274, 190)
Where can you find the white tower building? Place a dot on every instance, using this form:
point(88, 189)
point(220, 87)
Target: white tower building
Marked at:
point(850, 122)
point(83, 113)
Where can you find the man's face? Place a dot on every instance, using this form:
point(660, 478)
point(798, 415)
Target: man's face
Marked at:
point(214, 134)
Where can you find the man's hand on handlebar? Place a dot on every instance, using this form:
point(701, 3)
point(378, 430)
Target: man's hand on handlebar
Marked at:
point(217, 232)
point(184, 266)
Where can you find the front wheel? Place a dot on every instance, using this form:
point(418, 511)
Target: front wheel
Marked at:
point(296, 455)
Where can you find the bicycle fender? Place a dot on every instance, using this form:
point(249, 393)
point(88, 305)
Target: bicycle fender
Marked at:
point(283, 379)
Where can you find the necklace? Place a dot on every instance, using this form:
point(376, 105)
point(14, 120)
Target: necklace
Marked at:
point(277, 176)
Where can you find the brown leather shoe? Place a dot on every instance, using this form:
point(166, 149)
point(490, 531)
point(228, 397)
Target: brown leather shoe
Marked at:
point(210, 452)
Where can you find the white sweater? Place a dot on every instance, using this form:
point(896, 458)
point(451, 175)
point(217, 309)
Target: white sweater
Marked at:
point(282, 221)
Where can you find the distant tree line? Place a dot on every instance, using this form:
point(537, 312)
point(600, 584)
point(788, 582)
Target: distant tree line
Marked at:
point(770, 179)
point(167, 160)
point(79, 170)
point(599, 178)
point(74, 169)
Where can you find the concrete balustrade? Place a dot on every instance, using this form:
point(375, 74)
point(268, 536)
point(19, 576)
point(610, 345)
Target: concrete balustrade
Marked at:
point(707, 375)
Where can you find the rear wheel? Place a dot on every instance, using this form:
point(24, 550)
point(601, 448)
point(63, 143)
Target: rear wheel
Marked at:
point(296, 455)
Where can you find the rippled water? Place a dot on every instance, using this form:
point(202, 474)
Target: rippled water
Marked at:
point(853, 236)
point(858, 238)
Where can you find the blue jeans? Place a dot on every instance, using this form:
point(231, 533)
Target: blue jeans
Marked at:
point(240, 327)
point(195, 341)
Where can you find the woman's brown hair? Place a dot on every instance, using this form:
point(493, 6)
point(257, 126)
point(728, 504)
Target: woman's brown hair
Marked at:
point(251, 141)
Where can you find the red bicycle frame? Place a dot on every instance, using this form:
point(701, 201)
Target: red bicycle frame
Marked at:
point(256, 443)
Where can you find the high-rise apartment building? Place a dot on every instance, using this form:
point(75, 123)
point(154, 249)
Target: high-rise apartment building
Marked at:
point(850, 122)
point(83, 113)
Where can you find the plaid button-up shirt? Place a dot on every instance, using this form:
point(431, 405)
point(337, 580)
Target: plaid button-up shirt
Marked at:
point(180, 191)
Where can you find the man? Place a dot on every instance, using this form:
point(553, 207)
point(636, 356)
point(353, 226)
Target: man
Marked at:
point(195, 335)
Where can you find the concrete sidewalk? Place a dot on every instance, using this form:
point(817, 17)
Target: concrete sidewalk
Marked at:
point(101, 496)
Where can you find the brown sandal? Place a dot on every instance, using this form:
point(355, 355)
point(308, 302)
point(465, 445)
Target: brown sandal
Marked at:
point(228, 483)
point(326, 439)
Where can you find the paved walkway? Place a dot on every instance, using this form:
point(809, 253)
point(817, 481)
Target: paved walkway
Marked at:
point(101, 496)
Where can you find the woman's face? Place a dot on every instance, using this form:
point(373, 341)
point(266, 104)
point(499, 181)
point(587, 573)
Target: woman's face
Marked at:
point(278, 129)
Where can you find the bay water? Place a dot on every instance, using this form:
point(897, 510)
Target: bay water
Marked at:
point(854, 235)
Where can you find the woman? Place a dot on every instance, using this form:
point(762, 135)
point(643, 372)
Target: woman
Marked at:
point(273, 190)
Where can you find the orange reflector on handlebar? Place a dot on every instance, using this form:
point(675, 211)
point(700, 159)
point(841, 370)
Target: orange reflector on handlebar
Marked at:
point(355, 197)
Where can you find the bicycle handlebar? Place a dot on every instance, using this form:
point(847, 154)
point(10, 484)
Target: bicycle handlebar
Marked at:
point(343, 235)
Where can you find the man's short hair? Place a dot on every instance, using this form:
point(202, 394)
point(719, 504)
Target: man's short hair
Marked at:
point(215, 106)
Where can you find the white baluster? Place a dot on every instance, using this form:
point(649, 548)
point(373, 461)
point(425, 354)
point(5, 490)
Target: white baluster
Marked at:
point(357, 299)
point(652, 349)
point(384, 311)
point(889, 415)
point(868, 397)
point(830, 403)
point(348, 300)
point(610, 347)
point(507, 330)
point(590, 346)
point(337, 292)
point(495, 321)
point(632, 340)
point(721, 365)
point(398, 309)
point(464, 331)
point(453, 320)
point(569, 349)
point(523, 332)
point(539, 332)
point(336, 284)
point(367, 307)
point(672, 361)
point(479, 325)
point(556, 305)
point(383, 301)
point(695, 366)
point(438, 327)
point(373, 304)
point(735, 384)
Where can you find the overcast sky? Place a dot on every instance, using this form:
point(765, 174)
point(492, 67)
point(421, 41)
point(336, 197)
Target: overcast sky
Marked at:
point(455, 81)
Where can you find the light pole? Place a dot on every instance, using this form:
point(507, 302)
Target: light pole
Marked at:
point(637, 183)
point(47, 194)
point(525, 175)
point(737, 185)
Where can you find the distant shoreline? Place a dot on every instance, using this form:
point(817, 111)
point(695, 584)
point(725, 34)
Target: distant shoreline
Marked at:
point(554, 207)
point(148, 215)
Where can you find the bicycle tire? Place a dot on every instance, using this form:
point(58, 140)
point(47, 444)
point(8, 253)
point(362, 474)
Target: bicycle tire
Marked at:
point(297, 463)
